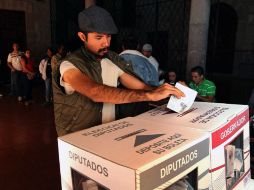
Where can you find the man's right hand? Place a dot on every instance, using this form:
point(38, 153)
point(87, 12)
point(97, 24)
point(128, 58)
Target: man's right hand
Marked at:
point(164, 91)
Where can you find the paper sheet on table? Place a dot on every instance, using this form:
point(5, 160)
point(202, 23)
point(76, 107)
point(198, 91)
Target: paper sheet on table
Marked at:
point(184, 103)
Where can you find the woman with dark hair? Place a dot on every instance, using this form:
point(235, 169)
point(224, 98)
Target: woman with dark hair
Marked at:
point(171, 77)
point(27, 76)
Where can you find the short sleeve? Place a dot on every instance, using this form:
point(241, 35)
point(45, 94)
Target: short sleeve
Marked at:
point(66, 65)
point(9, 58)
point(211, 90)
point(120, 71)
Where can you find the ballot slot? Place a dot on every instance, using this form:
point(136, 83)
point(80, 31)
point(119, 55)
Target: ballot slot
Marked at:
point(82, 182)
point(234, 161)
point(188, 182)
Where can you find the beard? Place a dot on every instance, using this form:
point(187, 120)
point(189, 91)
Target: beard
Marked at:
point(99, 54)
point(102, 53)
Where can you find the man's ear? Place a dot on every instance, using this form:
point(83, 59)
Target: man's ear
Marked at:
point(82, 36)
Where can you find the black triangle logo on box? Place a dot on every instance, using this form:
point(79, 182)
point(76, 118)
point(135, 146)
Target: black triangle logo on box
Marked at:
point(141, 139)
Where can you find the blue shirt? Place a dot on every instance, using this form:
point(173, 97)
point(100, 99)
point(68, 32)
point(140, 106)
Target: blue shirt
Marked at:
point(141, 66)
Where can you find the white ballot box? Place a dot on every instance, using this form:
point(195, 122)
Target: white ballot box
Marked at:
point(250, 185)
point(228, 125)
point(133, 154)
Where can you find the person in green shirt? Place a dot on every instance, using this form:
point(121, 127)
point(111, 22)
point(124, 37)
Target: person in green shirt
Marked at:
point(206, 89)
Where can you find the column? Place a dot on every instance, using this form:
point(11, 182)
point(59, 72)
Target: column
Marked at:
point(198, 34)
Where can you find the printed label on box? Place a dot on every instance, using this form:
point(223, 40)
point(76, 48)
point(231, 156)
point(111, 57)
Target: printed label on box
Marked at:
point(223, 134)
point(172, 167)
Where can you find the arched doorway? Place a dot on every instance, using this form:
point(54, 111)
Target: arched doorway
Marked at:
point(221, 38)
point(13, 29)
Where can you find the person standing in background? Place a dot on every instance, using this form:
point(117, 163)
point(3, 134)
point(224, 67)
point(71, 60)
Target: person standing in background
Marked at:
point(143, 69)
point(27, 76)
point(141, 65)
point(45, 70)
point(13, 62)
point(60, 54)
point(147, 51)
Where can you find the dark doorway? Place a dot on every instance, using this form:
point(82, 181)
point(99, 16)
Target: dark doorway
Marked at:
point(221, 39)
point(65, 23)
point(12, 29)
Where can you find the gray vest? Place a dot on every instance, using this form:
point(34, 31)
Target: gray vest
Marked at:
point(75, 112)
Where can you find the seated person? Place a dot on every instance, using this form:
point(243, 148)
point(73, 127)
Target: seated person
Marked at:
point(171, 77)
point(206, 89)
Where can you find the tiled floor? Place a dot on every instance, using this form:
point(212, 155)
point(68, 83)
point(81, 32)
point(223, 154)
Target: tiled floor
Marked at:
point(28, 146)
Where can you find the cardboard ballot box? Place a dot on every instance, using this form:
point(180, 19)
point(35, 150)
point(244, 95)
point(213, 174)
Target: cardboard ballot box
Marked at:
point(228, 125)
point(133, 154)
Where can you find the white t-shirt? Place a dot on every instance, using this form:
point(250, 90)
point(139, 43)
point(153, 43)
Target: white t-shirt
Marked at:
point(154, 62)
point(14, 59)
point(110, 75)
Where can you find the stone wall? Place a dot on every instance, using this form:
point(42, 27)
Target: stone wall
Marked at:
point(244, 46)
point(38, 23)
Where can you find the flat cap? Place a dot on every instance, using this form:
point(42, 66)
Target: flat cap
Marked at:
point(147, 47)
point(96, 19)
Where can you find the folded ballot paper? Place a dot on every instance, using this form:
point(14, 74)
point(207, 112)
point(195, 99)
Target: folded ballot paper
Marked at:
point(184, 103)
